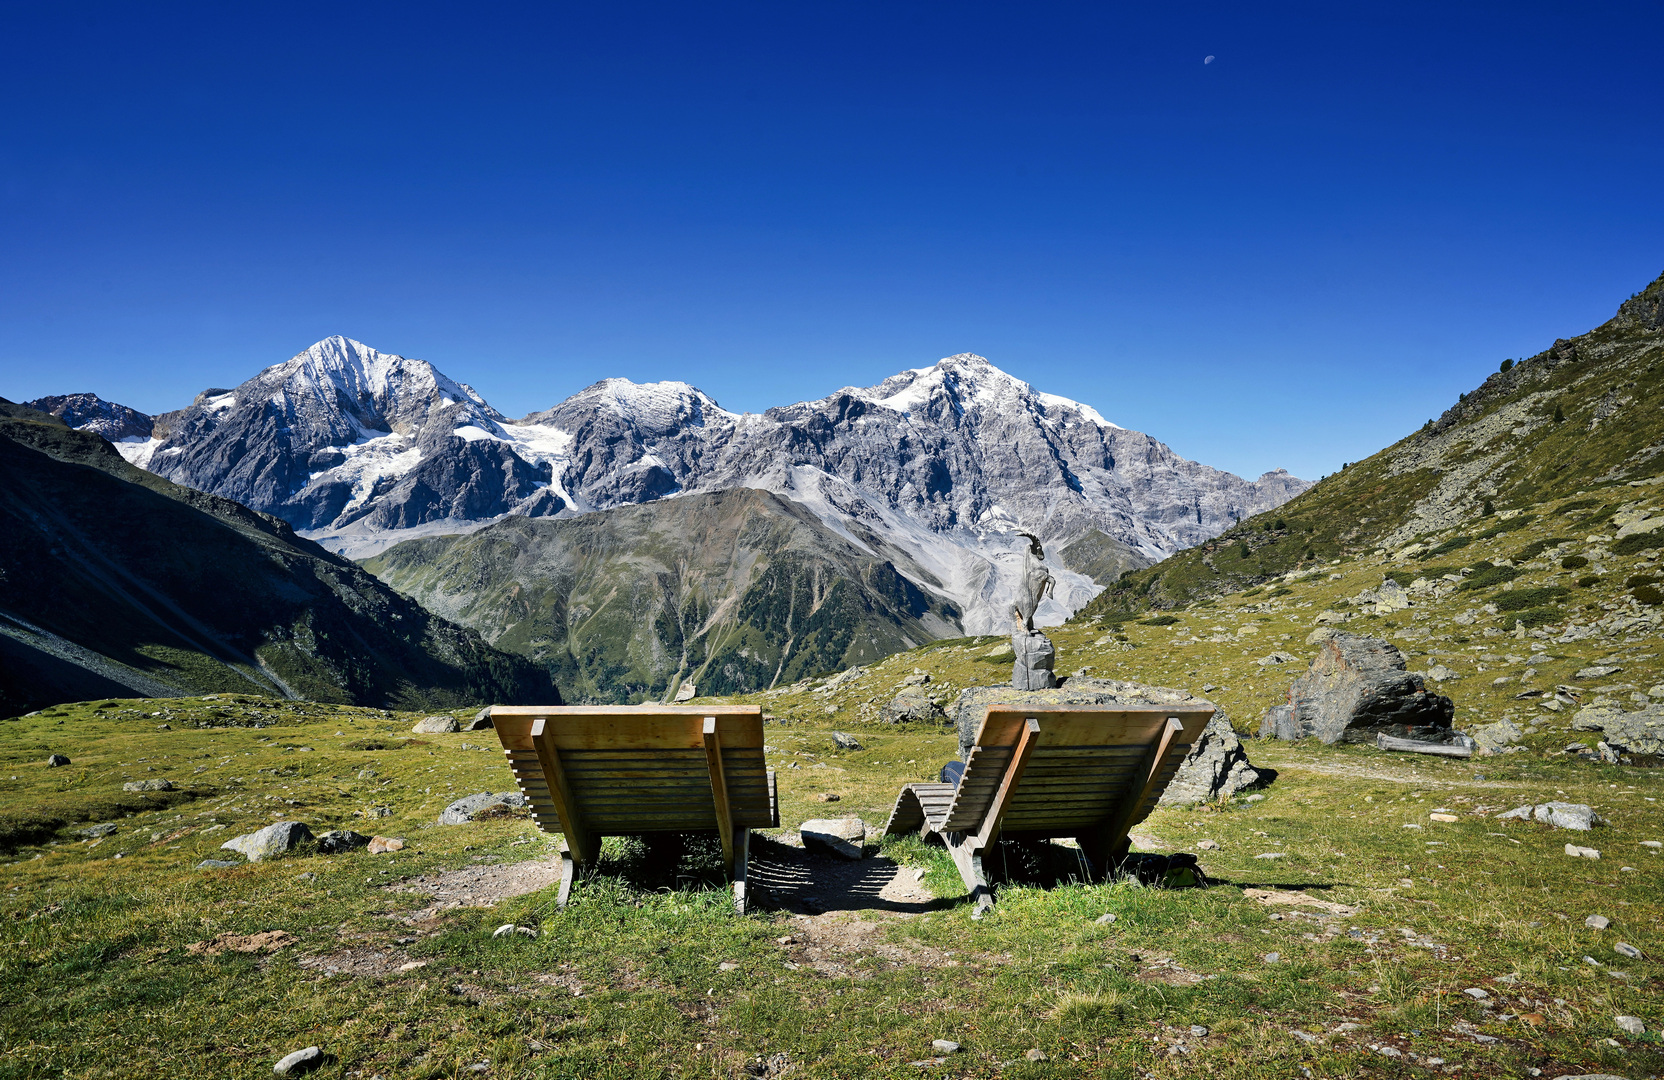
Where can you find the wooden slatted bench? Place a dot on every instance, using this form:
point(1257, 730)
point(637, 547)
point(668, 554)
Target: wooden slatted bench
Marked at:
point(634, 770)
point(1085, 771)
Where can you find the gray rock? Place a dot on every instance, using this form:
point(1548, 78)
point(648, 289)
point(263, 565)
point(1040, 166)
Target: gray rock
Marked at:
point(159, 784)
point(1631, 1024)
point(913, 706)
point(1477, 994)
point(918, 678)
point(945, 1046)
point(1106, 918)
point(1597, 922)
point(972, 702)
point(1276, 659)
point(1217, 767)
point(843, 740)
point(93, 832)
point(339, 841)
point(1582, 852)
point(1639, 732)
point(1493, 738)
point(56, 761)
point(272, 840)
point(1032, 667)
point(301, 1061)
point(1561, 815)
point(1623, 948)
point(484, 804)
point(1357, 688)
point(436, 725)
point(216, 864)
point(1200, 1030)
point(1035, 1054)
point(481, 721)
point(844, 837)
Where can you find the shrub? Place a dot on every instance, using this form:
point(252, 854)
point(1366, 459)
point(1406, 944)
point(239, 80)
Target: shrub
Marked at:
point(1520, 599)
point(1537, 547)
point(1279, 525)
point(1506, 365)
point(1508, 526)
point(1403, 577)
point(1629, 545)
point(1158, 620)
point(1485, 576)
point(1588, 581)
point(1576, 505)
point(1255, 591)
point(1534, 617)
point(1648, 594)
point(1281, 591)
point(1573, 562)
point(1448, 546)
point(1559, 415)
point(1641, 579)
point(1242, 549)
point(1488, 509)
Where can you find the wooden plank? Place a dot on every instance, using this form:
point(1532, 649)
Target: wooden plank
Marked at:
point(1082, 724)
point(641, 727)
point(1008, 786)
point(583, 848)
point(719, 792)
point(1115, 832)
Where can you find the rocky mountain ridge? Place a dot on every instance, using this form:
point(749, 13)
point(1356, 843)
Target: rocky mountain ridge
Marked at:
point(933, 470)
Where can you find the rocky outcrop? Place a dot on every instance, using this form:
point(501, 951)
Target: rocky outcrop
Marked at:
point(1355, 689)
point(1216, 766)
point(89, 412)
point(914, 705)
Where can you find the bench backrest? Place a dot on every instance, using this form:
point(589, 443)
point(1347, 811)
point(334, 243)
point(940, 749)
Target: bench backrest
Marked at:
point(633, 769)
point(1084, 765)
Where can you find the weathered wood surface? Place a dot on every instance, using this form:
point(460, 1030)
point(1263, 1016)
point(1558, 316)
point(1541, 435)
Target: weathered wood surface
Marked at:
point(1412, 746)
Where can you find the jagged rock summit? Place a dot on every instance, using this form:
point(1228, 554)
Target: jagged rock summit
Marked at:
point(934, 469)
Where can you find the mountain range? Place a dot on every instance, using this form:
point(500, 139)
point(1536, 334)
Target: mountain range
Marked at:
point(117, 583)
point(934, 470)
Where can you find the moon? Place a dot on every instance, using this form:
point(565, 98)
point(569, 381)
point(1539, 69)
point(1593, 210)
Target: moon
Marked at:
point(1209, 60)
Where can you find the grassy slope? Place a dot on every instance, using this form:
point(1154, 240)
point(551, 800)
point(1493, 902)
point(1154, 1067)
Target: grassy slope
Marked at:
point(729, 591)
point(1501, 443)
point(202, 593)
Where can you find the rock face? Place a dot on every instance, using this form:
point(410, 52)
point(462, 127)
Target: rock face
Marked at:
point(1357, 688)
point(934, 469)
point(272, 840)
point(1639, 732)
point(89, 412)
point(1216, 766)
point(485, 804)
point(843, 837)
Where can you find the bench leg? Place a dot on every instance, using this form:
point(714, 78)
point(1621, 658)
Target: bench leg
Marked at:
point(969, 863)
point(568, 869)
point(742, 851)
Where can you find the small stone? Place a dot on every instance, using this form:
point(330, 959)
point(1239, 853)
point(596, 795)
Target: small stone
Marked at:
point(843, 740)
point(1272, 958)
point(1597, 922)
point(382, 845)
point(436, 725)
point(483, 805)
point(1476, 993)
point(1208, 845)
point(54, 761)
point(300, 1061)
point(1623, 948)
point(480, 1067)
point(1034, 1055)
point(1272, 855)
point(503, 931)
point(1631, 1024)
point(727, 965)
point(1349, 1026)
point(216, 864)
point(1106, 918)
point(164, 727)
point(1199, 1030)
point(1389, 1051)
point(159, 784)
point(828, 796)
point(338, 841)
point(1442, 817)
point(1653, 844)
point(945, 1046)
point(1582, 852)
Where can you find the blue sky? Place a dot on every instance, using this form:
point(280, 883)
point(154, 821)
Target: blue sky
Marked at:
point(1289, 256)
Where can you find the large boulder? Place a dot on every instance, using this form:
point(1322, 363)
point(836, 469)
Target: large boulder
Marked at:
point(1217, 767)
point(436, 725)
point(484, 805)
point(1640, 732)
point(1355, 689)
point(843, 837)
point(913, 705)
point(272, 840)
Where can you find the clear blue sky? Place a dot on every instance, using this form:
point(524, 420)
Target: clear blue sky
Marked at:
point(1290, 256)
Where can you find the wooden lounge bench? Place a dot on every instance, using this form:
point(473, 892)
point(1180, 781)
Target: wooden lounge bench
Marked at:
point(1087, 772)
point(637, 770)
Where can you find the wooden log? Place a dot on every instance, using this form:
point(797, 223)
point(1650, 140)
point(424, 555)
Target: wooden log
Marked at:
point(1389, 742)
